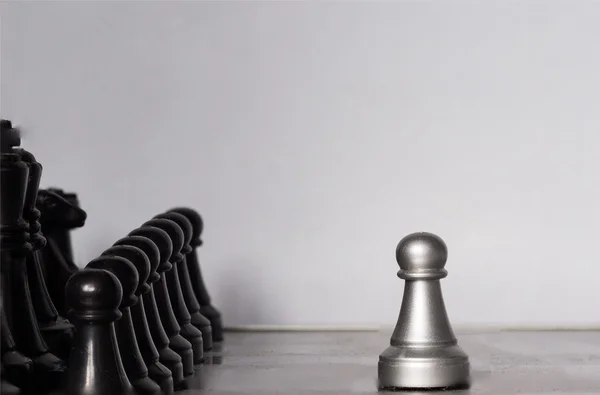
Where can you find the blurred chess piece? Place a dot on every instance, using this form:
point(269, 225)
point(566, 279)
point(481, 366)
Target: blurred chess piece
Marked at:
point(423, 351)
point(64, 239)
point(21, 321)
point(195, 273)
point(6, 387)
point(56, 330)
point(196, 318)
point(59, 215)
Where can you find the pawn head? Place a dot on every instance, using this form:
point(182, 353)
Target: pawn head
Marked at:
point(94, 294)
point(162, 240)
point(152, 253)
point(125, 273)
point(186, 228)
point(138, 258)
point(196, 221)
point(175, 234)
point(421, 251)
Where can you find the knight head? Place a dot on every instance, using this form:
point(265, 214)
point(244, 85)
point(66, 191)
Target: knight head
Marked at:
point(57, 211)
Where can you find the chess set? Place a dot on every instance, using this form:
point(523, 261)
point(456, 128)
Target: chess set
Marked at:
point(138, 319)
point(135, 320)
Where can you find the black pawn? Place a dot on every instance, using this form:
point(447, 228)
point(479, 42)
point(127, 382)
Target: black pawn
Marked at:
point(188, 331)
point(193, 266)
point(126, 273)
point(156, 370)
point(93, 296)
point(18, 308)
point(193, 307)
point(167, 356)
point(56, 330)
point(176, 340)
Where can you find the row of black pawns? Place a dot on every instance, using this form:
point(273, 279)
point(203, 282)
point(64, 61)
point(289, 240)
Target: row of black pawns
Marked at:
point(142, 314)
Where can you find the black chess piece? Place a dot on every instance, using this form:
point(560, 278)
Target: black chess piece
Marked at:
point(93, 296)
point(188, 331)
point(156, 370)
point(6, 387)
point(166, 346)
point(56, 330)
point(128, 276)
point(176, 341)
point(20, 315)
point(13, 235)
point(193, 266)
point(58, 217)
point(193, 307)
point(64, 238)
point(17, 368)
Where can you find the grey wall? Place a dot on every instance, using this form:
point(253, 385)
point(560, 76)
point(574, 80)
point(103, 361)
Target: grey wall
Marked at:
point(313, 136)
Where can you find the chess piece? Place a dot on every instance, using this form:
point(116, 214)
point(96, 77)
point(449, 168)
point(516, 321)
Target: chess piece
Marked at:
point(167, 356)
point(17, 368)
point(423, 351)
point(177, 342)
point(6, 387)
point(125, 271)
point(195, 274)
point(13, 236)
point(193, 307)
point(188, 331)
point(63, 239)
point(156, 370)
point(93, 296)
point(58, 217)
point(18, 308)
point(56, 330)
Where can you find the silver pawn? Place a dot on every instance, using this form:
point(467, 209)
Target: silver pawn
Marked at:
point(423, 351)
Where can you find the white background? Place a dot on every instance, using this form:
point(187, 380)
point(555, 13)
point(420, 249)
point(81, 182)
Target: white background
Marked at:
point(313, 137)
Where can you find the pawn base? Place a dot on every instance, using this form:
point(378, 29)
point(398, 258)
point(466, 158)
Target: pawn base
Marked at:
point(402, 368)
point(216, 322)
point(162, 376)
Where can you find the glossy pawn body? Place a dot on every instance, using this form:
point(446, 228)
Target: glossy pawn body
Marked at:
point(93, 296)
point(423, 351)
point(58, 217)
